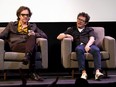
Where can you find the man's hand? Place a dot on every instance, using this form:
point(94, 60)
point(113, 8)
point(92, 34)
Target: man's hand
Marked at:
point(69, 36)
point(31, 32)
point(61, 36)
point(87, 48)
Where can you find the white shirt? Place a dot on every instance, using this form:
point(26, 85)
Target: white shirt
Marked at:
point(80, 29)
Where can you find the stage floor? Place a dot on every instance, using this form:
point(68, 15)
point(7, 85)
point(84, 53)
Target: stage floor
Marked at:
point(63, 81)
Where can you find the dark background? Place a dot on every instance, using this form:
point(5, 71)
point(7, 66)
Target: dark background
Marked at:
point(52, 29)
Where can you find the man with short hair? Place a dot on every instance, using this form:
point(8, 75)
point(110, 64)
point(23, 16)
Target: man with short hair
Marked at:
point(84, 39)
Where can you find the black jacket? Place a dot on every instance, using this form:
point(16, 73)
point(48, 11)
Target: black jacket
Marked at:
point(80, 37)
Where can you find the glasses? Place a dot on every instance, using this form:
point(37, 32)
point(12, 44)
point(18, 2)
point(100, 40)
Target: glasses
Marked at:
point(81, 20)
point(24, 15)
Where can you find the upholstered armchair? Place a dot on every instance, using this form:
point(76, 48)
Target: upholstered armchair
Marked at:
point(107, 45)
point(13, 60)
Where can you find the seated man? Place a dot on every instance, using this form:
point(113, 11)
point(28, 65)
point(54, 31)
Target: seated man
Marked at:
point(84, 39)
point(21, 36)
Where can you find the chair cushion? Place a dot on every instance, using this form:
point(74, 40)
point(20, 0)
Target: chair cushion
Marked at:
point(89, 57)
point(14, 56)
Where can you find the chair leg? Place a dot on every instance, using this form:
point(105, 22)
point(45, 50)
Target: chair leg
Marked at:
point(106, 73)
point(5, 74)
point(73, 72)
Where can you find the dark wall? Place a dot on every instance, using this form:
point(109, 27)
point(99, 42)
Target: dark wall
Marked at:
point(52, 29)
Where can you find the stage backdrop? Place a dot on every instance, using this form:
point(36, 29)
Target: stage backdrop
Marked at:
point(59, 10)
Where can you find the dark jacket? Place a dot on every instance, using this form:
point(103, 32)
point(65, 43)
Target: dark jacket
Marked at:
point(80, 37)
point(11, 34)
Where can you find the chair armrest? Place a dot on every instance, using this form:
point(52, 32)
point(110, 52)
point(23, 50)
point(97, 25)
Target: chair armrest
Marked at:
point(1, 45)
point(110, 46)
point(43, 43)
point(1, 54)
point(66, 49)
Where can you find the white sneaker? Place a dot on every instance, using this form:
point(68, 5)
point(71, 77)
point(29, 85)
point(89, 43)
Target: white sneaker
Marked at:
point(98, 76)
point(84, 76)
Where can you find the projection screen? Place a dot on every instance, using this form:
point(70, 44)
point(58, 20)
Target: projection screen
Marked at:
point(59, 10)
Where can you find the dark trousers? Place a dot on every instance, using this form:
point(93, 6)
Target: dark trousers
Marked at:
point(27, 47)
point(95, 51)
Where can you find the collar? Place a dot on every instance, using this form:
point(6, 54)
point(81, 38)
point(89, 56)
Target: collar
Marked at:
point(80, 29)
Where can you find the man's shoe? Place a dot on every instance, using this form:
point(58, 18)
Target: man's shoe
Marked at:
point(84, 76)
point(39, 78)
point(36, 77)
point(98, 76)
